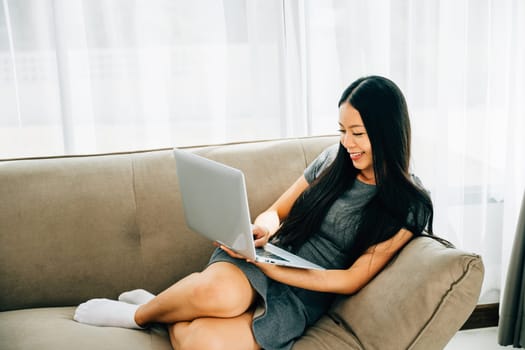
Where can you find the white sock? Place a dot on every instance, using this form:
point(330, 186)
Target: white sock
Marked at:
point(107, 313)
point(136, 296)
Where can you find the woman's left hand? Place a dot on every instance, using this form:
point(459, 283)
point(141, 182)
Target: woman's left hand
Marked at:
point(267, 268)
point(230, 252)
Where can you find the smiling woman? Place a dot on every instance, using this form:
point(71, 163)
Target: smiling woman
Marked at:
point(327, 216)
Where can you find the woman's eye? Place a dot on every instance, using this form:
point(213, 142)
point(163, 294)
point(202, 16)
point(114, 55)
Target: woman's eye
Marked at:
point(358, 133)
point(342, 131)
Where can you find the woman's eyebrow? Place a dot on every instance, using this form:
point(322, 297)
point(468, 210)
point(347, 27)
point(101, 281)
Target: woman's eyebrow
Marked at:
point(356, 126)
point(352, 126)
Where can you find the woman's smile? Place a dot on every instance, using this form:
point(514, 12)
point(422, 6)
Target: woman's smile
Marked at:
point(355, 156)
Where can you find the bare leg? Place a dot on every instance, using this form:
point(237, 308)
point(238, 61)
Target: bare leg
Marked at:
point(221, 290)
point(214, 334)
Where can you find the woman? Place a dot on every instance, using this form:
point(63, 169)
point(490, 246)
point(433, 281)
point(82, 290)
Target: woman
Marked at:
point(351, 211)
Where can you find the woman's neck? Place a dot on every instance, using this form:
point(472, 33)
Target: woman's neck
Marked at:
point(368, 179)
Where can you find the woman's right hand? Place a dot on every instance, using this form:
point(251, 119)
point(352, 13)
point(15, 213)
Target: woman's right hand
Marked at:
point(261, 235)
point(269, 221)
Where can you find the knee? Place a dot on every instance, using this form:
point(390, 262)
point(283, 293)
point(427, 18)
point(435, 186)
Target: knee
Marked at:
point(194, 335)
point(224, 296)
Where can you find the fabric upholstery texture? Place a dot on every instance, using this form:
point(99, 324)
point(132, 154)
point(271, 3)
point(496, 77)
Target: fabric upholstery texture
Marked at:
point(82, 227)
point(53, 328)
point(416, 301)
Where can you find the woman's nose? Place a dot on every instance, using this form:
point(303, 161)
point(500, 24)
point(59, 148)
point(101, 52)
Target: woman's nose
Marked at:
point(348, 140)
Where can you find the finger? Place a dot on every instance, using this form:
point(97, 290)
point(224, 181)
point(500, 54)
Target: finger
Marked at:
point(258, 235)
point(231, 252)
point(227, 250)
point(259, 242)
point(259, 231)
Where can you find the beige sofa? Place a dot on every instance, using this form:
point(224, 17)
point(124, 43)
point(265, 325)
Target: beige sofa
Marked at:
point(75, 228)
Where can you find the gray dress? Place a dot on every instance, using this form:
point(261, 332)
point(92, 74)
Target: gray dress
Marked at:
point(288, 311)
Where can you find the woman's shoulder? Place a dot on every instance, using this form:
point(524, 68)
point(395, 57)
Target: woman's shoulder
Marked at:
point(323, 160)
point(420, 207)
point(329, 153)
point(416, 180)
point(418, 183)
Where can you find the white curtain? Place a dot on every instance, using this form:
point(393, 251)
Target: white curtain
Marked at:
point(90, 76)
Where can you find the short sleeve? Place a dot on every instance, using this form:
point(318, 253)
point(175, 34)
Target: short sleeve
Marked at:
point(321, 163)
point(417, 215)
point(417, 181)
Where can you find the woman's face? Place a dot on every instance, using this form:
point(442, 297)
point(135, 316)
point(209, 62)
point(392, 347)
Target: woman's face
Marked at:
point(355, 139)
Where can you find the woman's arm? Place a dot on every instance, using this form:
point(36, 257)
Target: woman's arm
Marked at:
point(341, 281)
point(268, 222)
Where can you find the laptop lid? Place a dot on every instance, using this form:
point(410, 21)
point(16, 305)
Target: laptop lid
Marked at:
point(215, 201)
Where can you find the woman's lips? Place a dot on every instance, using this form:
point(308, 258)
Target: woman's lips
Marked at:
point(356, 155)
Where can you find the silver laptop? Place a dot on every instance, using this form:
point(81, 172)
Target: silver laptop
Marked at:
point(216, 206)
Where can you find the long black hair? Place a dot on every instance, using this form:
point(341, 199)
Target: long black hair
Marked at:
point(398, 202)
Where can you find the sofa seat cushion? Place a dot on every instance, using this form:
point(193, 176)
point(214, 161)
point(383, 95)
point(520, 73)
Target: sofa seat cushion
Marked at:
point(54, 328)
point(328, 334)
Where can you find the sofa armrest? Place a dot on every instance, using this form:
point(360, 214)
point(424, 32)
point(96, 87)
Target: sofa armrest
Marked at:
point(419, 301)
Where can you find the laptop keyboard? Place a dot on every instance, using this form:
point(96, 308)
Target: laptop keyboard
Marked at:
point(266, 254)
